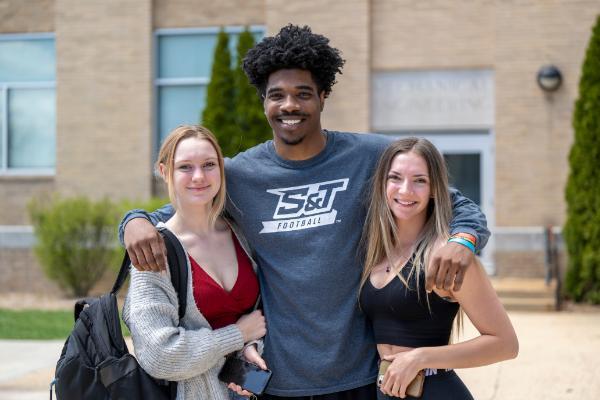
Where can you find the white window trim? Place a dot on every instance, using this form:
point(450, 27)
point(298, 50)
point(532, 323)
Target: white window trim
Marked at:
point(27, 36)
point(208, 30)
point(4, 88)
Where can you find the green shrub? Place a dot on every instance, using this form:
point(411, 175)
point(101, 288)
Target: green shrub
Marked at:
point(582, 229)
point(234, 112)
point(76, 240)
point(218, 115)
point(252, 125)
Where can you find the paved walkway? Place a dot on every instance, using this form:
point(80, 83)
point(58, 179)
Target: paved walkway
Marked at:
point(559, 359)
point(27, 368)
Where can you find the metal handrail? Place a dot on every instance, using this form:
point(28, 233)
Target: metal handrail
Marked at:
point(552, 265)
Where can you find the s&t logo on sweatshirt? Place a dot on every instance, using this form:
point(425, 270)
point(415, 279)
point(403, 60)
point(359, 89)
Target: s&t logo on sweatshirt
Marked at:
point(303, 207)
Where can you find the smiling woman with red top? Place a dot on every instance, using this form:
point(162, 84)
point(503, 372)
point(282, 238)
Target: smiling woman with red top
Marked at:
point(407, 220)
point(222, 282)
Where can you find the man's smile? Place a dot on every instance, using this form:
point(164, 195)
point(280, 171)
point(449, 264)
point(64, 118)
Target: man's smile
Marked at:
point(291, 120)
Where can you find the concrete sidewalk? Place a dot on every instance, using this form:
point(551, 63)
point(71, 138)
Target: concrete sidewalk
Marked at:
point(558, 359)
point(27, 368)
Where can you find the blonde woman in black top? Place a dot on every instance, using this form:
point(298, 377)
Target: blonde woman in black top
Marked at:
point(408, 218)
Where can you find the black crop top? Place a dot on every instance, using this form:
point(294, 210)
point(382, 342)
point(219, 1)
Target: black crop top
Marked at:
point(401, 318)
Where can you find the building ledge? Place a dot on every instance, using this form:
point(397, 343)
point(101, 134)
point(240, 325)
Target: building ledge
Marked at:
point(16, 237)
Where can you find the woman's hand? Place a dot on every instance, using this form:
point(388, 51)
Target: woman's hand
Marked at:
point(253, 326)
point(251, 355)
point(238, 389)
point(400, 373)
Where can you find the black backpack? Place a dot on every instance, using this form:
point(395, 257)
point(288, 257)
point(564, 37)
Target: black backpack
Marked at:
point(95, 363)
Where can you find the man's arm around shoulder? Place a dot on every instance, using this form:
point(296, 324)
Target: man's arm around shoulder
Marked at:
point(144, 244)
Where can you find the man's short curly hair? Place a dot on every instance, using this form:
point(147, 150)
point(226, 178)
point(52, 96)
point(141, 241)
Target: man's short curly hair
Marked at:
point(293, 47)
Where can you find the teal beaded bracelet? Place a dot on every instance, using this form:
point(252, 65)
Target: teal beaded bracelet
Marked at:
point(464, 242)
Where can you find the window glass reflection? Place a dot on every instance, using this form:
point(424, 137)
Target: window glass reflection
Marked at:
point(31, 128)
point(27, 60)
point(464, 172)
point(179, 105)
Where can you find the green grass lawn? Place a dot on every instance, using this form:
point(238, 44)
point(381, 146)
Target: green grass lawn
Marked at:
point(38, 324)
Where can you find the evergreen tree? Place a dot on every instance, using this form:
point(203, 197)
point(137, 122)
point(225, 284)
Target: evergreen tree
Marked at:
point(252, 125)
point(582, 229)
point(219, 112)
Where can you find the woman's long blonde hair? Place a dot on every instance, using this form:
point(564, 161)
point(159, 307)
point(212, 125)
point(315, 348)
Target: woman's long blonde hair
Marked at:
point(380, 232)
point(166, 157)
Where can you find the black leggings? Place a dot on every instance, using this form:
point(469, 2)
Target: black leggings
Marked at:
point(445, 385)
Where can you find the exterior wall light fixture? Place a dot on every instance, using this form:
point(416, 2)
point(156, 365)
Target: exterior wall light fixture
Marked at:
point(549, 78)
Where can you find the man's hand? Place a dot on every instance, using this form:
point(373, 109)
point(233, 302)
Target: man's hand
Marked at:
point(145, 246)
point(448, 264)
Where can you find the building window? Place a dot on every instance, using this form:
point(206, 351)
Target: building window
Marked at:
point(183, 65)
point(27, 104)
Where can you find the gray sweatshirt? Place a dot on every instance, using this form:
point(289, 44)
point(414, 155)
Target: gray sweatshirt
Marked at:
point(303, 221)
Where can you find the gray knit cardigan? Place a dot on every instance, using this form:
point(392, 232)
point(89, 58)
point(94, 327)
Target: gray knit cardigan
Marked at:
point(186, 351)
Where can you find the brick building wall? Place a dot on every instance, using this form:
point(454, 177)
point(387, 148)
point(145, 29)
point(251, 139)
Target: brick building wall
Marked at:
point(533, 130)
point(413, 35)
point(203, 13)
point(104, 98)
point(19, 16)
point(21, 273)
point(105, 90)
point(17, 192)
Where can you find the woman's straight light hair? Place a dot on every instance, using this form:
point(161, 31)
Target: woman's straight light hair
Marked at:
point(380, 232)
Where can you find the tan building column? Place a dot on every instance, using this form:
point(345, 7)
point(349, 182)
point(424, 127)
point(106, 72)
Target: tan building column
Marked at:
point(347, 25)
point(104, 97)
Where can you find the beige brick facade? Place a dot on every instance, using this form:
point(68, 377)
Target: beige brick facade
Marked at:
point(22, 273)
point(513, 38)
point(533, 130)
point(105, 98)
point(105, 89)
point(16, 194)
point(203, 13)
point(435, 34)
point(18, 16)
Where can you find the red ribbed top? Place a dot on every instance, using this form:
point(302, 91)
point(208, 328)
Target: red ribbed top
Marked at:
point(219, 307)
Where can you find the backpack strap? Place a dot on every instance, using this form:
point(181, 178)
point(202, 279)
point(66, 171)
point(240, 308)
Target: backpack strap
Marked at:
point(177, 261)
point(123, 273)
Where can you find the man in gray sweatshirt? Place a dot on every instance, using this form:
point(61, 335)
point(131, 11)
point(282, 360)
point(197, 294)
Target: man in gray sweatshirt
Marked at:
point(300, 201)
